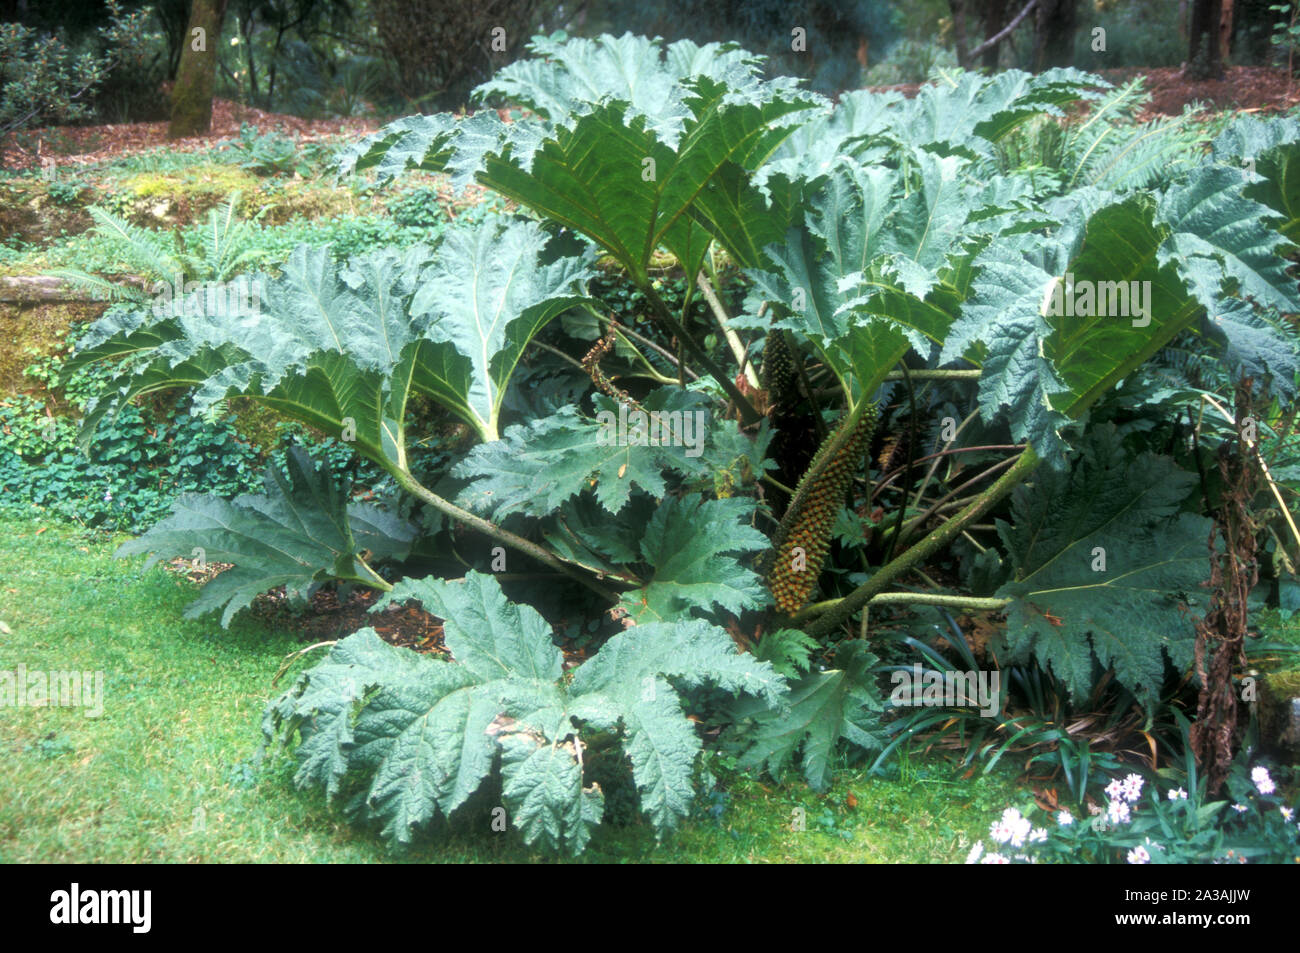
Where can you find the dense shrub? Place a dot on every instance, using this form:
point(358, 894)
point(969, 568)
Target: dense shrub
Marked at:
point(42, 78)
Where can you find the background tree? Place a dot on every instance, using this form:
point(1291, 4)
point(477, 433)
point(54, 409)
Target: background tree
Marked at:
point(837, 35)
point(192, 95)
point(993, 16)
point(43, 78)
point(441, 51)
point(281, 22)
point(1204, 52)
point(1054, 33)
point(999, 20)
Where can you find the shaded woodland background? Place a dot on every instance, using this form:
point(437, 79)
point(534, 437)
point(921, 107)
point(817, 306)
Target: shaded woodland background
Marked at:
point(338, 59)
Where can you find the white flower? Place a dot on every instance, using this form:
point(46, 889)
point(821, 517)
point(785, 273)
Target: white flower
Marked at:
point(1011, 829)
point(1286, 813)
point(1018, 825)
point(1115, 789)
point(975, 852)
point(1065, 818)
point(1178, 794)
point(1117, 812)
point(1239, 808)
point(108, 496)
point(1139, 855)
point(1262, 781)
point(1132, 787)
point(994, 859)
point(1038, 835)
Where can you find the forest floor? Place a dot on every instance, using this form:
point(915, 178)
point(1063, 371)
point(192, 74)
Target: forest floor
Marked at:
point(1244, 88)
point(76, 145)
point(1260, 89)
point(1247, 88)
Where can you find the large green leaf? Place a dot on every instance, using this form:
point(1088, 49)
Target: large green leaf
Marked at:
point(1106, 565)
point(538, 466)
point(689, 545)
point(562, 80)
point(542, 780)
point(1268, 151)
point(1043, 364)
point(488, 634)
point(299, 534)
point(343, 346)
point(1258, 345)
point(1202, 245)
point(629, 676)
point(480, 302)
point(609, 176)
point(564, 77)
point(823, 707)
point(420, 735)
point(959, 114)
point(961, 110)
point(1214, 227)
point(877, 270)
point(424, 142)
point(636, 147)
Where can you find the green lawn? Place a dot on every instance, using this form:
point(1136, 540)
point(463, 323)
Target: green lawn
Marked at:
point(167, 773)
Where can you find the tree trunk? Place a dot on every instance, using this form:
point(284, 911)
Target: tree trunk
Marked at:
point(958, 8)
point(1225, 30)
point(246, 27)
point(1203, 59)
point(192, 94)
point(1054, 33)
point(995, 17)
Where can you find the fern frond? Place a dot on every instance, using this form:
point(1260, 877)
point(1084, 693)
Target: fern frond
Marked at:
point(1145, 156)
point(99, 287)
point(226, 240)
point(1110, 150)
point(146, 251)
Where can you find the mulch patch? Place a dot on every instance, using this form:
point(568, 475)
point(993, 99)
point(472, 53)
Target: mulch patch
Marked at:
point(1250, 88)
point(68, 145)
point(328, 617)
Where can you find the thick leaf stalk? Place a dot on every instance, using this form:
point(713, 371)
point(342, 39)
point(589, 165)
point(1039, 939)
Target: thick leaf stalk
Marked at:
point(802, 551)
point(941, 536)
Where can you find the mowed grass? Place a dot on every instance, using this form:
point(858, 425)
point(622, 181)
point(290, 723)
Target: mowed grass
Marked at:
point(169, 772)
